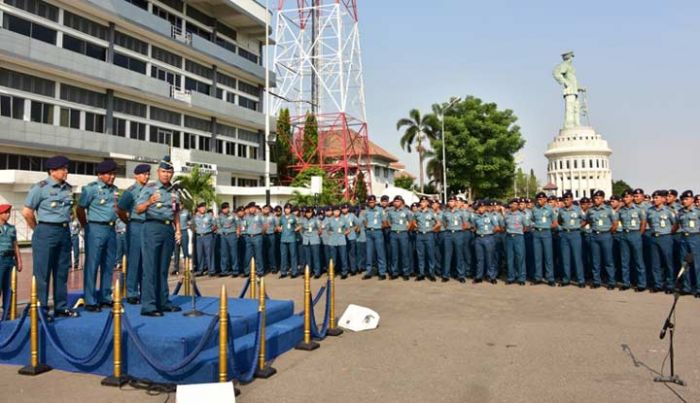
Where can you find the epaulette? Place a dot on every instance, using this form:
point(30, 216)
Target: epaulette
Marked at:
point(150, 185)
point(43, 183)
point(131, 188)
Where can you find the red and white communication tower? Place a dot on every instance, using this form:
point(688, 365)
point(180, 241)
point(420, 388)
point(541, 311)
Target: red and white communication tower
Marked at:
point(318, 63)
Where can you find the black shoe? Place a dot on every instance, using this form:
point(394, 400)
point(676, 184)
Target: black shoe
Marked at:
point(406, 278)
point(509, 282)
point(668, 291)
point(393, 277)
point(521, 283)
point(493, 281)
point(283, 275)
point(610, 287)
point(382, 277)
point(581, 285)
point(462, 280)
point(420, 278)
point(552, 283)
point(697, 295)
point(367, 277)
point(172, 308)
point(212, 274)
point(274, 271)
point(93, 308)
point(445, 279)
point(594, 286)
point(477, 281)
point(564, 284)
point(224, 274)
point(654, 290)
point(624, 288)
point(198, 273)
point(109, 304)
point(685, 293)
point(66, 313)
point(536, 282)
point(133, 301)
point(234, 275)
point(343, 276)
point(640, 289)
point(152, 313)
point(432, 278)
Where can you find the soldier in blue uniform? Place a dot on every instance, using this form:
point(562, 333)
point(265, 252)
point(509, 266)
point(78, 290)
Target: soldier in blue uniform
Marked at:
point(226, 226)
point(353, 222)
point(161, 205)
point(270, 225)
point(204, 228)
point(585, 204)
point(386, 206)
point(485, 226)
point(603, 222)
point(660, 221)
point(398, 219)
point(185, 223)
point(516, 223)
point(570, 218)
point(311, 242)
point(337, 228)
point(436, 206)
point(75, 229)
point(426, 224)
point(120, 229)
point(127, 212)
point(288, 228)
point(97, 213)
point(688, 228)
point(543, 221)
point(9, 256)
point(373, 221)
point(254, 225)
point(633, 220)
point(50, 202)
point(454, 222)
point(361, 250)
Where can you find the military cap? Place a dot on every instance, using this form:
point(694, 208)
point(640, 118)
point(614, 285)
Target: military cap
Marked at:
point(567, 55)
point(697, 197)
point(166, 163)
point(687, 193)
point(142, 169)
point(335, 207)
point(251, 204)
point(627, 192)
point(514, 200)
point(201, 204)
point(225, 205)
point(436, 201)
point(541, 195)
point(295, 209)
point(527, 200)
point(673, 192)
point(552, 198)
point(5, 208)
point(345, 206)
point(240, 208)
point(568, 195)
point(106, 166)
point(585, 200)
point(278, 208)
point(662, 193)
point(287, 205)
point(267, 206)
point(398, 197)
point(57, 162)
point(371, 198)
point(638, 191)
point(452, 198)
point(599, 193)
point(385, 198)
point(615, 198)
point(424, 198)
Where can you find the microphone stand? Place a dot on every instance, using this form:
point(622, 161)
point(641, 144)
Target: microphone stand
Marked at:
point(194, 312)
point(669, 325)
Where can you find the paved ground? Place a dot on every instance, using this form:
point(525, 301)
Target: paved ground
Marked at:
point(455, 343)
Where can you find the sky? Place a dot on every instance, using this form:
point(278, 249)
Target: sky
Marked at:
point(639, 61)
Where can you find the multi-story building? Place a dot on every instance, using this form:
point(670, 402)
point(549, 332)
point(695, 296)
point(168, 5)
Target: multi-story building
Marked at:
point(131, 80)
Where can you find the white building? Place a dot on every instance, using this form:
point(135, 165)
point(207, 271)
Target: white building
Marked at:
point(579, 161)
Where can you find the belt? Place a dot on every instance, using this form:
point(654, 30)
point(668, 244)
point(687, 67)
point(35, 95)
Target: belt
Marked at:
point(541, 229)
point(399, 231)
point(425, 232)
point(55, 224)
point(691, 233)
point(627, 231)
point(133, 221)
point(110, 223)
point(252, 235)
point(10, 253)
point(656, 235)
point(601, 232)
point(373, 229)
point(514, 235)
point(454, 230)
point(164, 222)
point(570, 230)
point(483, 235)
point(205, 234)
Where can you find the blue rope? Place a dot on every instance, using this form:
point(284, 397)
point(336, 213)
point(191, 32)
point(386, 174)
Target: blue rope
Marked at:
point(245, 288)
point(68, 356)
point(314, 301)
point(143, 350)
point(176, 291)
point(244, 376)
point(321, 334)
point(16, 330)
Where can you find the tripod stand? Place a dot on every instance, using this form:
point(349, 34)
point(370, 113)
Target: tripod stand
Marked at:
point(670, 325)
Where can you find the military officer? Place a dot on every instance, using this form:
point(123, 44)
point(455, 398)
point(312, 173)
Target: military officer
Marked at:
point(633, 220)
point(361, 250)
point(373, 221)
point(97, 214)
point(467, 238)
point(386, 206)
point(398, 219)
point(161, 205)
point(455, 224)
point(75, 229)
point(204, 226)
point(311, 241)
point(436, 206)
point(226, 226)
point(126, 210)
point(50, 202)
point(253, 223)
point(570, 218)
point(270, 225)
point(9, 256)
point(353, 222)
point(426, 225)
point(288, 228)
point(543, 221)
point(603, 222)
point(516, 223)
point(185, 222)
point(485, 226)
point(688, 228)
point(660, 221)
point(337, 228)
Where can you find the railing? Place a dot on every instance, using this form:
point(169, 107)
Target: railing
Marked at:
point(177, 34)
point(181, 95)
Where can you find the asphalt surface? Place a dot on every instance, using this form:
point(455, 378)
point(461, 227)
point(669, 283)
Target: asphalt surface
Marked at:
point(454, 343)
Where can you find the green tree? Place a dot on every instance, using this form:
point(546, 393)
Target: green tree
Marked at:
point(525, 185)
point(331, 193)
point(418, 129)
point(404, 182)
point(619, 186)
point(360, 187)
point(311, 139)
point(481, 141)
point(283, 148)
point(200, 185)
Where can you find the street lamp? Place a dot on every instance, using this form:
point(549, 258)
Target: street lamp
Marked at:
point(442, 130)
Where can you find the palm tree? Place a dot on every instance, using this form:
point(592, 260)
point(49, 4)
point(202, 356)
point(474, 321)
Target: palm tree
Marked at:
point(200, 185)
point(418, 129)
point(434, 168)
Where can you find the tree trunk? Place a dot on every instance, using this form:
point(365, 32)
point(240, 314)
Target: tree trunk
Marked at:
point(420, 170)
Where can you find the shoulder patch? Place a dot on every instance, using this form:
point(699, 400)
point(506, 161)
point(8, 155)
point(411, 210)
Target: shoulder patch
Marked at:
point(150, 185)
point(43, 183)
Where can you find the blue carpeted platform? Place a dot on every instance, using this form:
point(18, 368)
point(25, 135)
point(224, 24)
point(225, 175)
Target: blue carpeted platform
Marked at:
point(170, 339)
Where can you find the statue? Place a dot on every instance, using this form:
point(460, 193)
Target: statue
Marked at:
point(565, 74)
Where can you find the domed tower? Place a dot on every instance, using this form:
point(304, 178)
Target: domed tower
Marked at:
point(579, 158)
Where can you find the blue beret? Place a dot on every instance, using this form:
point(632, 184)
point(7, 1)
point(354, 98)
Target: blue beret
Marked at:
point(106, 166)
point(57, 162)
point(165, 163)
point(142, 169)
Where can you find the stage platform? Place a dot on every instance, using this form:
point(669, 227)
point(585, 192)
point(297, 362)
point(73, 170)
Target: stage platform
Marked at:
point(169, 339)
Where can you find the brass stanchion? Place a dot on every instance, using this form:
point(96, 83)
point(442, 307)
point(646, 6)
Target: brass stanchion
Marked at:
point(223, 335)
point(123, 291)
point(333, 330)
point(34, 367)
point(307, 344)
point(264, 370)
point(116, 379)
point(253, 277)
point(13, 294)
point(187, 277)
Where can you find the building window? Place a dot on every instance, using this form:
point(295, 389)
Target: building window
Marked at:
point(160, 135)
point(84, 25)
point(139, 3)
point(166, 75)
point(36, 7)
point(12, 106)
point(225, 30)
point(189, 141)
point(166, 57)
point(130, 63)
point(196, 30)
point(249, 89)
point(70, 118)
point(198, 69)
point(247, 55)
point(194, 85)
point(583, 163)
point(226, 44)
point(567, 164)
point(166, 116)
point(85, 48)
point(197, 123)
point(119, 127)
point(130, 107)
point(575, 164)
point(254, 153)
point(41, 112)
point(247, 103)
point(243, 151)
point(171, 18)
point(131, 43)
point(82, 96)
point(137, 131)
point(30, 29)
point(230, 148)
point(94, 122)
point(204, 143)
point(28, 83)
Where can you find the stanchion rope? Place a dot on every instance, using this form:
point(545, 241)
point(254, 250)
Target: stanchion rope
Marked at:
point(68, 356)
point(16, 330)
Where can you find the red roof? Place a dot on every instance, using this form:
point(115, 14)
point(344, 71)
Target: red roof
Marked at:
point(353, 144)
